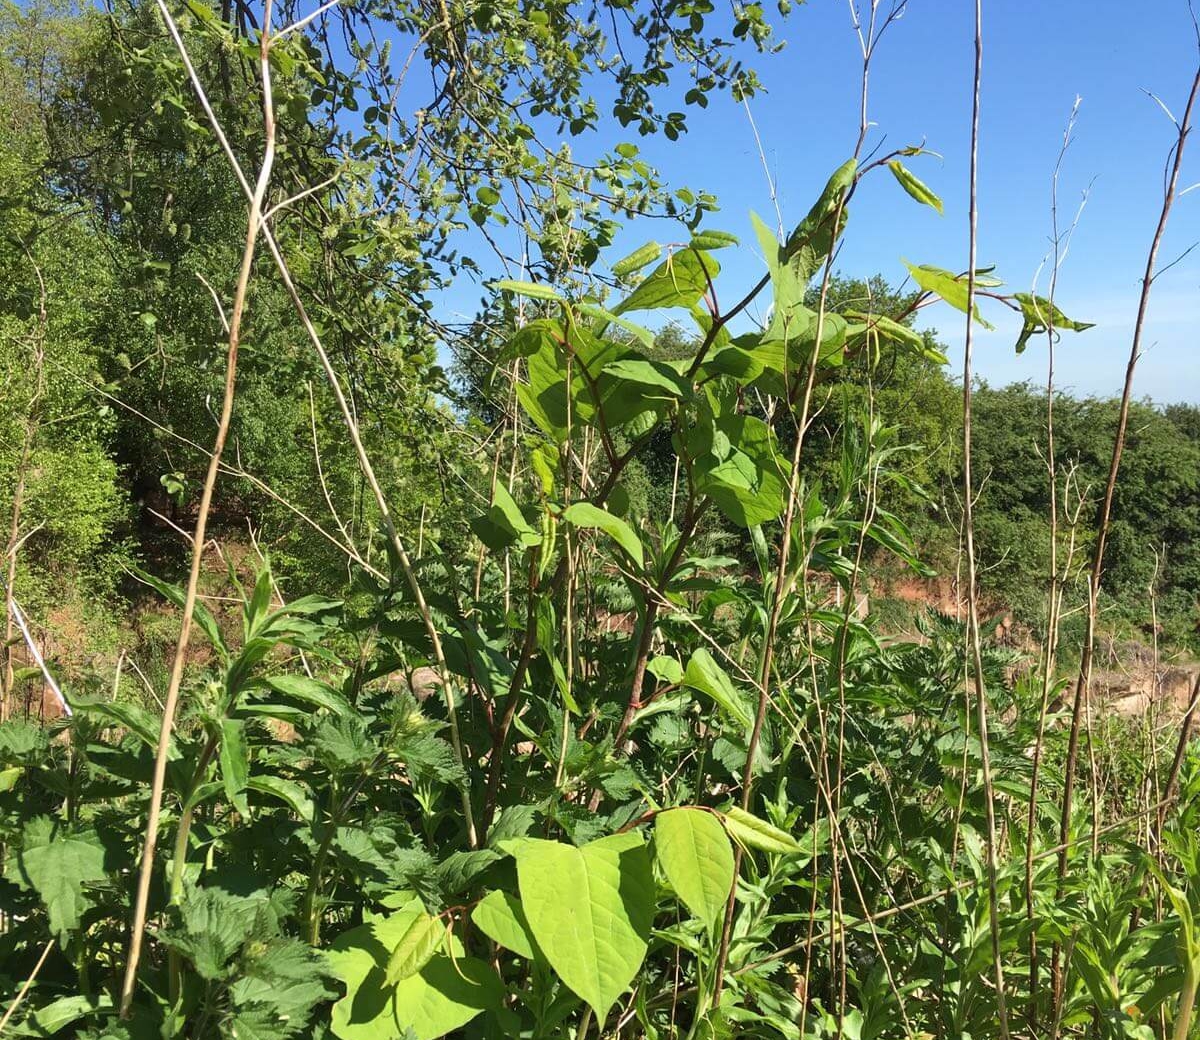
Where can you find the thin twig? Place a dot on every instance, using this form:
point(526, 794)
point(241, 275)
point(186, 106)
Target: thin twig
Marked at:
point(253, 222)
point(1083, 681)
point(976, 652)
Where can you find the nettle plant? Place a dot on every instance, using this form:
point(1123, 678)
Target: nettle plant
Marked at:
point(622, 803)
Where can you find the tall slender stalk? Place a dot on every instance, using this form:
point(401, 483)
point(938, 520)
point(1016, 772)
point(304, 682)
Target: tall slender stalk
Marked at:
point(12, 549)
point(981, 704)
point(348, 418)
point(253, 224)
point(1053, 591)
point(1083, 681)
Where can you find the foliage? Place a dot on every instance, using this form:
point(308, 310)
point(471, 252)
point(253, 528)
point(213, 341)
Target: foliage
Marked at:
point(704, 794)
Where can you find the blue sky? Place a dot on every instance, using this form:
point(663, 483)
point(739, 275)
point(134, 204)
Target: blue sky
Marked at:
point(1038, 56)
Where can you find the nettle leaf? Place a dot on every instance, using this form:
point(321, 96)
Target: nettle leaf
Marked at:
point(201, 615)
point(235, 763)
point(705, 675)
point(695, 853)
point(915, 188)
point(286, 791)
point(279, 988)
point(590, 910)
point(951, 288)
point(132, 717)
point(593, 518)
point(750, 831)
point(501, 918)
point(416, 947)
point(20, 740)
point(1040, 315)
point(309, 691)
point(57, 864)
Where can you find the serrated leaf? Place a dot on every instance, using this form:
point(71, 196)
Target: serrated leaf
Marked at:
point(286, 791)
point(590, 910)
point(235, 763)
point(915, 188)
point(501, 918)
point(309, 691)
point(415, 948)
point(696, 855)
point(58, 866)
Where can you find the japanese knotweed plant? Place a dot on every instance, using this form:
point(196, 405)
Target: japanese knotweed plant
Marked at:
point(673, 754)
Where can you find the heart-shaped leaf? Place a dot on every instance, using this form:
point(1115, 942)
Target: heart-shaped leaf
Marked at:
point(590, 910)
point(695, 853)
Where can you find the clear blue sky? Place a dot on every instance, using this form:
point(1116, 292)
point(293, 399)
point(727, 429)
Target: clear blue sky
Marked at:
point(1038, 56)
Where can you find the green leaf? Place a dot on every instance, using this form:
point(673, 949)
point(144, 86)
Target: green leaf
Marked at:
point(590, 910)
point(501, 918)
point(235, 763)
point(638, 259)
point(705, 675)
point(951, 288)
point(57, 866)
point(416, 947)
point(593, 518)
point(200, 613)
point(915, 187)
point(813, 238)
point(679, 281)
point(890, 329)
point(286, 791)
point(656, 375)
point(132, 717)
point(309, 691)
point(695, 853)
point(504, 524)
point(748, 830)
point(442, 997)
point(666, 669)
point(534, 290)
point(9, 778)
point(1040, 315)
point(712, 239)
point(60, 1013)
point(604, 318)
